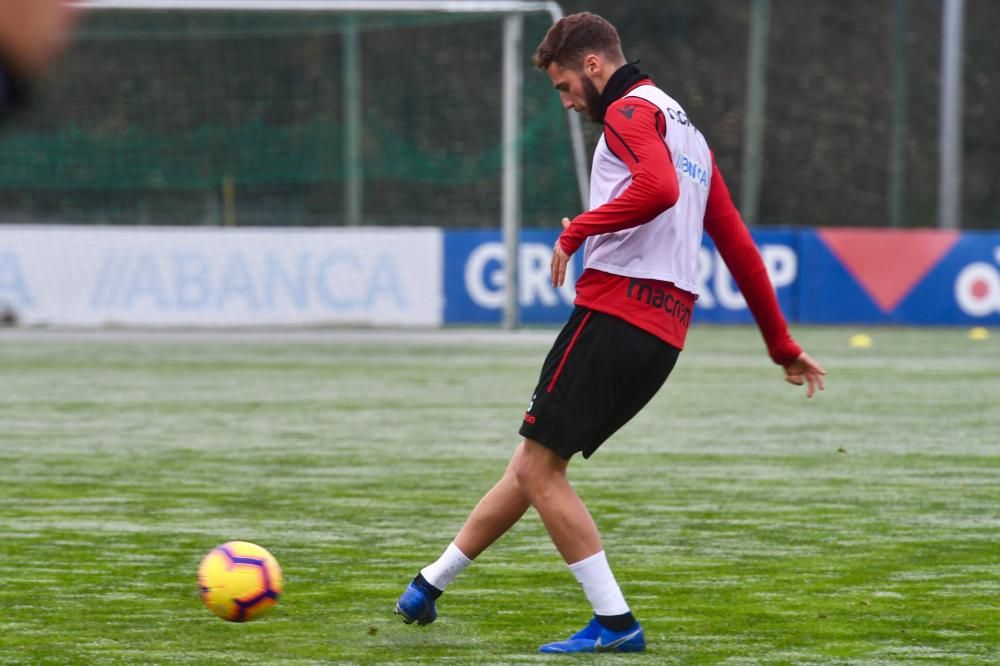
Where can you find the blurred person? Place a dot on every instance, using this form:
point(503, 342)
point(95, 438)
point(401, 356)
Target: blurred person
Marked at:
point(32, 33)
point(654, 189)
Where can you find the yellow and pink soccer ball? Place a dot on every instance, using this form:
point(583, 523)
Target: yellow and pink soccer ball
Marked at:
point(239, 581)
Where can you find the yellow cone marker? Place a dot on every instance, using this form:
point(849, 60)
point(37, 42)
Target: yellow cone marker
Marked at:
point(860, 341)
point(978, 333)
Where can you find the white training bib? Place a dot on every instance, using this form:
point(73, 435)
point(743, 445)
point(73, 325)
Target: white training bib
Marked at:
point(666, 248)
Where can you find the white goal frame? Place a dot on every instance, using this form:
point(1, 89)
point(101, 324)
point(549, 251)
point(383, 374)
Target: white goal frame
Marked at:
point(513, 12)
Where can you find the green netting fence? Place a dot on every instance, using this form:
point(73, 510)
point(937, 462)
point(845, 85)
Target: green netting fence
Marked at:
point(153, 115)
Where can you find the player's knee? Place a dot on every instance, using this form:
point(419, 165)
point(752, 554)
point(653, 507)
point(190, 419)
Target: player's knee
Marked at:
point(535, 468)
point(525, 476)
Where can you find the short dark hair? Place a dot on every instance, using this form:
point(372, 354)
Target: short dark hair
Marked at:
point(569, 41)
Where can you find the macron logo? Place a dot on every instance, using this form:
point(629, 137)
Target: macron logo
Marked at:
point(627, 111)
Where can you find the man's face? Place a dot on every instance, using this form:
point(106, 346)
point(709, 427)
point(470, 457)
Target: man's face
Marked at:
point(576, 91)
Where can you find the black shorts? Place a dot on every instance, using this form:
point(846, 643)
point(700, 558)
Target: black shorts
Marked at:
point(600, 372)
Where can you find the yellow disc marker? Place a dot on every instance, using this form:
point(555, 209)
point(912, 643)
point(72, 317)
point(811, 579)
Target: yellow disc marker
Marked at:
point(861, 341)
point(978, 333)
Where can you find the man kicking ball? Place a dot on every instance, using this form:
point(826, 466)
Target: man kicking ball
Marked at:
point(654, 189)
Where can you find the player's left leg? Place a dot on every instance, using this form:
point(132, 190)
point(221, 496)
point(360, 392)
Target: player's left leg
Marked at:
point(542, 475)
point(598, 385)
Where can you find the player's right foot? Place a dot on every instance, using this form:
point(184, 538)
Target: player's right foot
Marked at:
point(417, 603)
point(597, 638)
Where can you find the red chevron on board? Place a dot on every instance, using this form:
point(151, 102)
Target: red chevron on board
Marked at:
point(888, 263)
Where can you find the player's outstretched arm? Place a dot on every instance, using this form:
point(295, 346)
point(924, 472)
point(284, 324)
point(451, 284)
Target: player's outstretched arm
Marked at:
point(733, 241)
point(805, 370)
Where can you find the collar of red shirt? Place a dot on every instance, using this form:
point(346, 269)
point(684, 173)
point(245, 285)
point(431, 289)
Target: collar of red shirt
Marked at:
point(624, 79)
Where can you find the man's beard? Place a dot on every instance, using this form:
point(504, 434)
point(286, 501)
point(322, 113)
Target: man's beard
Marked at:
point(592, 99)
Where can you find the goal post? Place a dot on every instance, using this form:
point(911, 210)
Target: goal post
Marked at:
point(512, 13)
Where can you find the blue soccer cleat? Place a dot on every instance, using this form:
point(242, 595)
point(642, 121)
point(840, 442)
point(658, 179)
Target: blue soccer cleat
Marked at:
point(417, 605)
point(597, 638)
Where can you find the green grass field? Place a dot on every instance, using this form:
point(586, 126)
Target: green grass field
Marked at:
point(746, 524)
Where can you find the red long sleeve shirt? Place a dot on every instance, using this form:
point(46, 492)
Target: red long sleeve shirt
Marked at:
point(655, 306)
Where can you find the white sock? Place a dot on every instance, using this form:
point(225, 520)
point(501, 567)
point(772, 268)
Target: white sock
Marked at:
point(451, 563)
point(599, 584)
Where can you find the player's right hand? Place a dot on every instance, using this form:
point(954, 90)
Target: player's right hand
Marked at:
point(559, 260)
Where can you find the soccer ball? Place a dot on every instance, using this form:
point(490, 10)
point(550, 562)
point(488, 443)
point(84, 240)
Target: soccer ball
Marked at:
point(239, 581)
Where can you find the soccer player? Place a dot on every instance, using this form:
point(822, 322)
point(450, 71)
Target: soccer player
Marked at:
point(32, 33)
point(654, 188)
